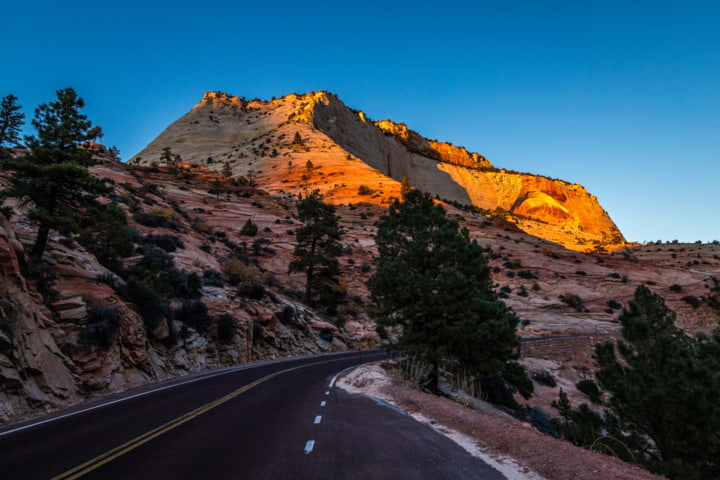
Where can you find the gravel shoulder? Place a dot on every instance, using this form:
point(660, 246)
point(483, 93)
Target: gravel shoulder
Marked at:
point(514, 448)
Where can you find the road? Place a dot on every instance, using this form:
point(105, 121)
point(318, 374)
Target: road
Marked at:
point(278, 420)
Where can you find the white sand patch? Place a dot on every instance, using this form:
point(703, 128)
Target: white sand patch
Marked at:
point(369, 379)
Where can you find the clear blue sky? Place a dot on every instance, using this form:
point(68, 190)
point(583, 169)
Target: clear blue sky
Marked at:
point(620, 96)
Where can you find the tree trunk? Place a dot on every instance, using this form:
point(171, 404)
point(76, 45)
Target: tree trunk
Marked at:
point(308, 282)
point(40, 243)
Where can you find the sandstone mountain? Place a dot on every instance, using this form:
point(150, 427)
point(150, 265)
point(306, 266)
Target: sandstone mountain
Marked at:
point(347, 150)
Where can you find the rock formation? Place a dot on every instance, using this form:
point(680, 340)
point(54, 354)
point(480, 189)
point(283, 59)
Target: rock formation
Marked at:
point(256, 137)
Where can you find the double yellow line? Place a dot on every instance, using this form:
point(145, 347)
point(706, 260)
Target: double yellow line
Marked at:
point(120, 450)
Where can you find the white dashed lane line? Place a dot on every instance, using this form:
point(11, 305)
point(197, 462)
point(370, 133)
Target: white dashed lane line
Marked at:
point(309, 446)
point(323, 403)
point(318, 419)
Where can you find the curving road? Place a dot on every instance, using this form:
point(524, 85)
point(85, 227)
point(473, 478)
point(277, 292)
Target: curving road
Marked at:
point(273, 420)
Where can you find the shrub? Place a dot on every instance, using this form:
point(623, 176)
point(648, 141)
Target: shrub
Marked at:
point(326, 334)
point(226, 328)
point(572, 300)
point(526, 274)
point(167, 242)
point(212, 278)
point(545, 378)
point(542, 422)
point(286, 315)
point(522, 291)
point(236, 271)
point(589, 388)
point(102, 327)
point(250, 229)
point(364, 190)
point(691, 300)
point(253, 290)
point(185, 285)
point(613, 304)
point(194, 313)
point(495, 389)
point(150, 305)
point(675, 288)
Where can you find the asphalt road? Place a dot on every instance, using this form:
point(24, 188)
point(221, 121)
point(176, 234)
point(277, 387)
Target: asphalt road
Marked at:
point(279, 420)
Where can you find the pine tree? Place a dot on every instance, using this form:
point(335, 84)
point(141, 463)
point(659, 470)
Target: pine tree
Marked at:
point(318, 246)
point(11, 121)
point(666, 388)
point(435, 282)
point(227, 170)
point(167, 156)
point(297, 139)
point(54, 176)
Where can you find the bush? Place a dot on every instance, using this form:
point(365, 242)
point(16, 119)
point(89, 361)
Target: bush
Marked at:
point(589, 388)
point(287, 315)
point(614, 305)
point(150, 305)
point(226, 329)
point(364, 190)
point(326, 334)
point(253, 290)
point(102, 327)
point(167, 242)
point(516, 375)
point(185, 285)
point(249, 229)
point(542, 422)
point(545, 378)
point(675, 288)
point(526, 274)
point(153, 220)
point(194, 313)
point(495, 389)
point(212, 278)
point(691, 300)
point(236, 271)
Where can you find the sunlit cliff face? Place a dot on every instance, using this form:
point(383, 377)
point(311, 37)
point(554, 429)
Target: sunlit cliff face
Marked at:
point(354, 160)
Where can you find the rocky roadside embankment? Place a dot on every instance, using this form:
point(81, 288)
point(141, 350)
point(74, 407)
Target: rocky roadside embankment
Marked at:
point(512, 447)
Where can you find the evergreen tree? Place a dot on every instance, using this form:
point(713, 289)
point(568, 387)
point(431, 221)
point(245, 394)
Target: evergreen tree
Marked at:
point(11, 121)
point(297, 139)
point(250, 229)
point(105, 233)
point(318, 246)
point(435, 282)
point(227, 170)
point(167, 156)
point(666, 388)
point(54, 176)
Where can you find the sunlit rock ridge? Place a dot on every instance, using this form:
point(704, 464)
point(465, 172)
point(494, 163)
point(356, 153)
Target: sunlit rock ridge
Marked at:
point(342, 150)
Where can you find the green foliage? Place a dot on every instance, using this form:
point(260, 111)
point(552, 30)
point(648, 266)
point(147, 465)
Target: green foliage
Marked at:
point(318, 247)
point(297, 139)
point(226, 329)
point(194, 313)
point(102, 327)
point(54, 176)
point(105, 233)
point(226, 170)
point(364, 190)
point(11, 121)
point(149, 304)
point(435, 282)
point(665, 390)
point(589, 388)
point(250, 229)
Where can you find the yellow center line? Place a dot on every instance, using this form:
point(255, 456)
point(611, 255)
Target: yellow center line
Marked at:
point(126, 447)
